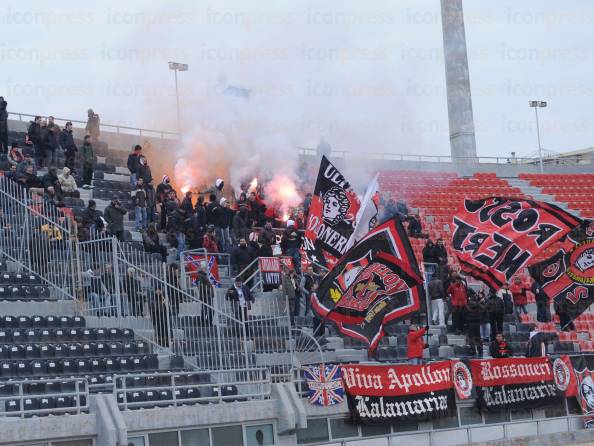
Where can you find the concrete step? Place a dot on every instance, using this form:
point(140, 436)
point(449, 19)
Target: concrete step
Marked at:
point(457, 340)
point(124, 177)
point(24, 308)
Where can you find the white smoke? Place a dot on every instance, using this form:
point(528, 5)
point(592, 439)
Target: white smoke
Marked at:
point(235, 138)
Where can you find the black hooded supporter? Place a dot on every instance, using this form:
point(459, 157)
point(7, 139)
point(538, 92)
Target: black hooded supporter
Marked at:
point(91, 216)
point(3, 126)
point(240, 224)
point(114, 215)
point(241, 256)
point(186, 203)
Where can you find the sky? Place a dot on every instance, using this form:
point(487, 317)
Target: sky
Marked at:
point(366, 76)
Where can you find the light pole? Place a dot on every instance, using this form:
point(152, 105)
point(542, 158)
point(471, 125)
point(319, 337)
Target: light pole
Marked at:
point(536, 105)
point(176, 66)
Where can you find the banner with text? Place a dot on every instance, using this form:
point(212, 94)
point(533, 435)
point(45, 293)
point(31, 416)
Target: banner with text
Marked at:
point(517, 382)
point(399, 392)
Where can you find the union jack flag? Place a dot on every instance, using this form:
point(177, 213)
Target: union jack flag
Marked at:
point(325, 384)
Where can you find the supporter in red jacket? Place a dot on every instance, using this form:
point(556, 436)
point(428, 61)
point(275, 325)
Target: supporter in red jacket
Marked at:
point(520, 296)
point(416, 344)
point(209, 241)
point(458, 294)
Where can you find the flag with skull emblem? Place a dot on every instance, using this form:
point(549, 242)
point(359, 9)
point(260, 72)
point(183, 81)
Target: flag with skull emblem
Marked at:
point(568, 276)
point(332, 216)
point(376, 282)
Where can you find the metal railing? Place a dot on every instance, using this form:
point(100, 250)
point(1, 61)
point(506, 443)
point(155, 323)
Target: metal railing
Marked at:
point(26, 398)
point(120, 129)
point(37, 237)
point(177, 389)
point(557, 159)
point(139, 291)
point(118, 284)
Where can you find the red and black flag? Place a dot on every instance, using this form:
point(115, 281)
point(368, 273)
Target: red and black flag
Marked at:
point(582, 384)
point(568, 276)
point(494, 237)
point(332, 216)
point(376, 282)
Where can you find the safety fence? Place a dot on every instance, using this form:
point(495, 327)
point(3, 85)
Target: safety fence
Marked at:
point(120, 129)
point(127, 286)
point(177, 308)
point(552, 159)
point(43, 397)
point(134, 391)
point(36, 237)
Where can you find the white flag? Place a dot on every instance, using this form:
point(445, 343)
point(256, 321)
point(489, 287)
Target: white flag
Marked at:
point(368, 213)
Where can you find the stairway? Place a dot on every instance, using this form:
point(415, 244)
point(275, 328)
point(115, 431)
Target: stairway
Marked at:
point(536, 193)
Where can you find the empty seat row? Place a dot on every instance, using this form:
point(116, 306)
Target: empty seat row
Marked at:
point(181, 379)
point(24, 292)
point(166, 396)
point(22, 336)
point(7, 278)
point(54, 367)
point(42, 388)
point(42, 322)
point(72, 350)
point(47, 404)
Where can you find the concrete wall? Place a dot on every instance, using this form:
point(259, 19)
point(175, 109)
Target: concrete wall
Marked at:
point(13, 431)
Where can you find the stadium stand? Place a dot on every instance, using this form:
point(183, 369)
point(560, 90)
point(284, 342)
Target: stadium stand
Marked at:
point(52, 363)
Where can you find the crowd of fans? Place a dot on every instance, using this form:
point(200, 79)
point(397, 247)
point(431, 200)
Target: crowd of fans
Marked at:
point(246, 228)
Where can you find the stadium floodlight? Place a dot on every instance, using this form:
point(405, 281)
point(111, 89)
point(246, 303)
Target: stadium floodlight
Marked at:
point(536, 105)
point(176, 66)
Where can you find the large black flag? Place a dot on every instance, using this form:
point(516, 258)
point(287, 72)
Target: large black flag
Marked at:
point(568, 276)
point(376, 282)
point(332, 216)
point(496, 236)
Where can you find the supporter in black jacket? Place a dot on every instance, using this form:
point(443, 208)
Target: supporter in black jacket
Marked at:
point(240, 228)
point(241, 256)
point(267, 235)
point(429, 252)
point(68, 146)
point(29, 180)
point(414, 226)
point(176, 221)
point(200, 211)
point(210, 209)
point(474, 311)
point(500, 348)
point(291, 243)
point(49, 141)
point(496, 309)
point(51, 184)
point(34, 136)
point(441, 254)
point(3, 126)
point(543, 309)
point(133, 163)
point(114, 215)
point(186, 203)
point(264, 250)
point(91, 217)
point(537, 344)
point(144, 171)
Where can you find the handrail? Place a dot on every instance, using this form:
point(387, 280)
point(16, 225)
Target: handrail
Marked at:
point(559, 159)
point(137, 130)
point(80, 395)
point(257, 383)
